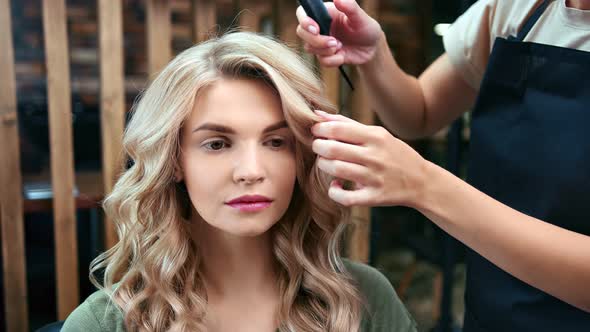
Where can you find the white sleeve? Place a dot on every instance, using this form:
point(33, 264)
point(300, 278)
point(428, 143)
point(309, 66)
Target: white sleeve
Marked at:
point(469, 40)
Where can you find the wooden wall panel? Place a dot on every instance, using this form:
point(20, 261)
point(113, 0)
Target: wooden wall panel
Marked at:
point(61, 148)
point(252, 12)
point(159, 35)
point(288, 22)
point(11, 202)
point(204, 19)
point(359, 240)
point(112, 97)
point(331, 78)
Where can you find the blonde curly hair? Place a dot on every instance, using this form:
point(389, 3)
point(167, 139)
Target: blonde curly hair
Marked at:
point(153, 273)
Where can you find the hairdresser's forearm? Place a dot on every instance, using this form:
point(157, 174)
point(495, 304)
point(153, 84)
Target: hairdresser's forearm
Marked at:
point(394, 95)
point(415, 107)
point(543, 255)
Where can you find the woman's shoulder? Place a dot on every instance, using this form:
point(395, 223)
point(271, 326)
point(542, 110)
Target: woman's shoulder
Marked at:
point(96, 313)
point(371, 282)
point(365, 274)
point(385, 311)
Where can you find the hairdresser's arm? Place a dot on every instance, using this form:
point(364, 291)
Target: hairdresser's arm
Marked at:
point(409, 106)
point(386, 171)
point(414, 107)
point(543, 255)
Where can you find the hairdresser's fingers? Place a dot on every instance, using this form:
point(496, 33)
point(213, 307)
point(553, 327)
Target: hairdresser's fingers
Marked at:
point(332, 10)
point(334, 117)
point(351, 153)
point(360, 197)
point(347, 171)
point(307, 22)
point(334, 60)
point(345, 131)
point(327, 51)
point(316, 40)
point(355, 15)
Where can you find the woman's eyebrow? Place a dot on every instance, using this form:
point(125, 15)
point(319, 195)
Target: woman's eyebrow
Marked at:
point(273, 127)
point(215, 127)
point(228, 130)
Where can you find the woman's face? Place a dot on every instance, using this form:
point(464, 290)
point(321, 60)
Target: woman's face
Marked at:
point(238, 159)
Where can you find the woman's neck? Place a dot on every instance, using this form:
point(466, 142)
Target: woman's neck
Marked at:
point(578, 4)
point(235, 265)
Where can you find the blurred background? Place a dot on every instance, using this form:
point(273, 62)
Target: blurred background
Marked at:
point(423, 264)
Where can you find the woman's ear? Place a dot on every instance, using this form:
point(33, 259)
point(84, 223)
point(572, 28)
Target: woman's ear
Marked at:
point(178, 177)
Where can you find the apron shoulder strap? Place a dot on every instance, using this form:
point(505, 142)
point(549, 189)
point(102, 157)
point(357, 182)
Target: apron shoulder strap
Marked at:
point(530, 22)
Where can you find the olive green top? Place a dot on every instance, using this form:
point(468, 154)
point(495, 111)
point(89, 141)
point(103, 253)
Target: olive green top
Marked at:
point(385, 310)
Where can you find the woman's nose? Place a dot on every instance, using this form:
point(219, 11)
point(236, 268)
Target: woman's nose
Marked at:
point(249, 168)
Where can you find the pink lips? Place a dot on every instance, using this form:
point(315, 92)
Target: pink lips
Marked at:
point(250, 203)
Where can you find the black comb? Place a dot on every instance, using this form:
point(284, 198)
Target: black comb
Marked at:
point(318, 12)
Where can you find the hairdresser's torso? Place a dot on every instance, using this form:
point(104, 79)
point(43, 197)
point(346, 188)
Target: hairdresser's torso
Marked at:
point(529, 142)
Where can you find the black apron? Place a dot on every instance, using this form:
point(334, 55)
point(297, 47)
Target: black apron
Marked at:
point(530, 149)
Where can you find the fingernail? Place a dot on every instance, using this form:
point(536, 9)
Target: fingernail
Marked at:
point(325, 166)
point(318, 129)
point(320, 163)
point(324, 115)
point(314, 130)
point(312, 29)
point(319, 147)
point(336, 194)
point(332, 43)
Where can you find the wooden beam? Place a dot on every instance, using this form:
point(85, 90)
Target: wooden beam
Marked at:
point(62, 161)
point(425, 12)
point(359, 240)
point(204, 19)
point(112, 98)
point(331, 78)
point(371, 7)
point(288, 23)
point(159, 35)
point(252, 12)
point(11, 201)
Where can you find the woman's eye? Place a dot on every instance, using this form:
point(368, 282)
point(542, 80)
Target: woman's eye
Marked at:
point(215, 145)
point(276, 142)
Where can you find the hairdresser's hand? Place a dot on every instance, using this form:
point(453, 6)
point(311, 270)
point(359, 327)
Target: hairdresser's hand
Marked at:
point(384, 169)
point(354, 34)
